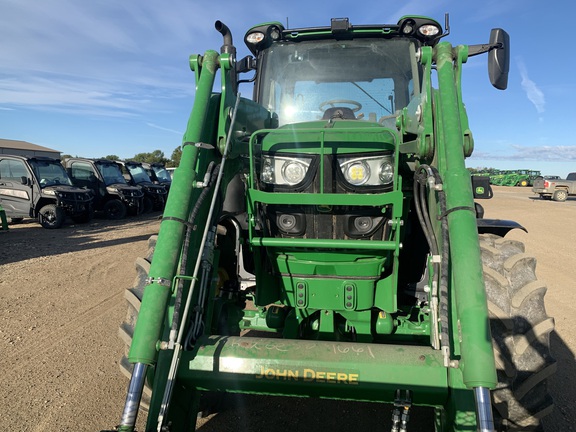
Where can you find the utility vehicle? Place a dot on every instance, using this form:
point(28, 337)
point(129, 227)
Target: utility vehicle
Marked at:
point(113, 196)
point(38, 187)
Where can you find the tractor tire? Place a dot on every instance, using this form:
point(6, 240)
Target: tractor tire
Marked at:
point(520, 334)
point(560, 195)
point(524, 183)
point(115, 210)
point(134, 300)
point(51, 216)
point(211, 402)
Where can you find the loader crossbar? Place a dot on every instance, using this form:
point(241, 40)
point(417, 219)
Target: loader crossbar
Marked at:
point(345, 370)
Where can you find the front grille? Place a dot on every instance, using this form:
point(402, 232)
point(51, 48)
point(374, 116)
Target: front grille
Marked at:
point(317, 222)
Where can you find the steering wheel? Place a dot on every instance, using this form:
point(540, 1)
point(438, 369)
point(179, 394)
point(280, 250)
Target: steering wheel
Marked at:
point(357, 106)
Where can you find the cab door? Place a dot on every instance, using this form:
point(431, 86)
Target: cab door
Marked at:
point(15, 187)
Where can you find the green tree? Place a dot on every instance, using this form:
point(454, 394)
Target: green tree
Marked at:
point(175, 158)
point(112, 157)
point(157, 156)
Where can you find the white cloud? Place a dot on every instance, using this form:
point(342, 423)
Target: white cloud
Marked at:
point(533, 92)
point(155, 126)
point(544, 153)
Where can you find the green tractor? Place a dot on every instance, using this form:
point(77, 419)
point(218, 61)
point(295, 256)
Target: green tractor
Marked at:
point(321, 239)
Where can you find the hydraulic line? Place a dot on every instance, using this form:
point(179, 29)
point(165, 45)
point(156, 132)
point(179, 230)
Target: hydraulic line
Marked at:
point(178, 345)
point(434, 181)
point(211, 175)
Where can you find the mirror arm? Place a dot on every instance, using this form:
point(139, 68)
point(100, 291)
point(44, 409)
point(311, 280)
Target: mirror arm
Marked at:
point(483, 48)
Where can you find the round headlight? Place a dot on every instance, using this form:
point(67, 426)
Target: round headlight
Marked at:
point(386, 172)
point(357, 173)
point(286, 222)
point(275, 33)
point(255, 37)
point(293, 172)
point(429, 30)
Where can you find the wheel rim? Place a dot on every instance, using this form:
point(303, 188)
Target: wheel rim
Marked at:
point(50, 217)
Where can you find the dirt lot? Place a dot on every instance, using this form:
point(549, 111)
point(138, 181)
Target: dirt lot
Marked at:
point(62, 301)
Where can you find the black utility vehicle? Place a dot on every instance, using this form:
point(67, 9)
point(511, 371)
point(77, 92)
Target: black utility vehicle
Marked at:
point(135, 175)
point(38, 187)
point(158, 174)
point(112, 195)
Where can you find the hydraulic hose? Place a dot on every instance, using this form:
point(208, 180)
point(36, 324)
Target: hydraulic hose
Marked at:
point(212, 173)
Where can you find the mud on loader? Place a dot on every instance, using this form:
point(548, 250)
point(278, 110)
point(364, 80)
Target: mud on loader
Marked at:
point(322, 240)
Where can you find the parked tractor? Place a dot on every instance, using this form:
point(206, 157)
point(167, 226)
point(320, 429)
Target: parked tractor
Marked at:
point(321, 239)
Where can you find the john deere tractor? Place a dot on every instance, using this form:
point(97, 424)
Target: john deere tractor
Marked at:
point(321, 239)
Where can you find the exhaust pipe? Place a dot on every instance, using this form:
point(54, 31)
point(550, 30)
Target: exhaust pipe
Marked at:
point(228, 46)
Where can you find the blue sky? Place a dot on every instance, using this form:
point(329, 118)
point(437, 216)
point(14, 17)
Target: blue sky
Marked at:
point(94, 78)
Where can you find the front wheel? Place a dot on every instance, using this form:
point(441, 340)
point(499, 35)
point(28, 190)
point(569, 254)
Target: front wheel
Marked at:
point(520, 334)
point(51, 216)
point(115, 209)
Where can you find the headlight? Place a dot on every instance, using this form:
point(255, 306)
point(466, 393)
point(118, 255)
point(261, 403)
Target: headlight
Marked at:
point(386, 172)
point(50, 192)
point(356, 172)
point(283, 170)
point(367, 171)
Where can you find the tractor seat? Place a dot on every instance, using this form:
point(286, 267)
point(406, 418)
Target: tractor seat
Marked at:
point(343, 113)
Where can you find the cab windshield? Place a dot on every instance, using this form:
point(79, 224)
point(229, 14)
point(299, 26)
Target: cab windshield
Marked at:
point(372, 79)
point(162, 173)
point(138, 173)
point(111, 173)
point(50, 173)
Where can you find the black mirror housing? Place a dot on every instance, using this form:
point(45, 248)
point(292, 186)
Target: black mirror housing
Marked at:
point(499, 58)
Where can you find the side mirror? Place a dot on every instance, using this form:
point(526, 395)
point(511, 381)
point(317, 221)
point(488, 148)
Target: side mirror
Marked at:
point(24, 180)
point(499, 58)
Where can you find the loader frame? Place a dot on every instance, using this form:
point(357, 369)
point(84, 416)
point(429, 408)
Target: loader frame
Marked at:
point(180, 349)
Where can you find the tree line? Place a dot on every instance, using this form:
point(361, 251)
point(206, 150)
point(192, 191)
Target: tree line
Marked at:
point(157, 156)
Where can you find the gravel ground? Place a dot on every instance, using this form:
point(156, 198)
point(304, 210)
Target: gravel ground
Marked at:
point(62, 301)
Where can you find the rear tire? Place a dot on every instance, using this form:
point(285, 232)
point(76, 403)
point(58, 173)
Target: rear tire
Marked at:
point(560, 195)
point(520, 335)
point(51, 216)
